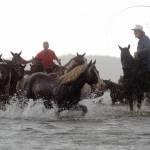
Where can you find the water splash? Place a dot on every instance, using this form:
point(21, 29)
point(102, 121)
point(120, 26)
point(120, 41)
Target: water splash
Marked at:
point(97, 109)
point(29, 109)
point(32, 109)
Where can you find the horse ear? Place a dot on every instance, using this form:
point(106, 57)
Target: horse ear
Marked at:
point(94, 62)
point(1, 55)
point(20, 53)
point(83, 54)
point(12, 53)
point(120, 47)
point(90, 63)
point(129, 46)
point(77, 54)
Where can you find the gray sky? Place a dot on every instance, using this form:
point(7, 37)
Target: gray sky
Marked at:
point(92, 26)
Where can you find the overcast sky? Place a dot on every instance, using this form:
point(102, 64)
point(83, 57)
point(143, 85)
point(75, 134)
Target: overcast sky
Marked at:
point(92, 26)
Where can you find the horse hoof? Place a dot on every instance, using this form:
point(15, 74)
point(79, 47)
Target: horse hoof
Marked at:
point(84, 109)
point(57, 115)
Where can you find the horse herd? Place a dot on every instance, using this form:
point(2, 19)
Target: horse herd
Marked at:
point(63, 85)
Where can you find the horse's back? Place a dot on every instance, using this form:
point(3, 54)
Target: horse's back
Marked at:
point(39, 85)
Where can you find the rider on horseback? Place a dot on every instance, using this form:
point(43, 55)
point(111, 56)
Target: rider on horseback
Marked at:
point(143, 48)
point(47, 56)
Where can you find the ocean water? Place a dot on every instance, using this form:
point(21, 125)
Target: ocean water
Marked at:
point(104, 127)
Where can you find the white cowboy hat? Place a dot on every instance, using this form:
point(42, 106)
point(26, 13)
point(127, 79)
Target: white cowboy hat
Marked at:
point(138, 28)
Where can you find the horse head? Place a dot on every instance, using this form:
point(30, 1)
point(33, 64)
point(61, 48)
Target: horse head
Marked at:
point(93, 77)
point(125, 50)
point(17, 66)
point(36, 65)
point(35, 61)
point(126, 58)
point(79, 59)
point(17, 59)
point(18, 71)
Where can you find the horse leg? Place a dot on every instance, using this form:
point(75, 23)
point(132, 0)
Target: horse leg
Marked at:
point(139, 102)
point(57, 113)
point(113, 101)
point(48, 104)
point(121, 100)
point(131, 104)
point(80, 107)
point(84, 109)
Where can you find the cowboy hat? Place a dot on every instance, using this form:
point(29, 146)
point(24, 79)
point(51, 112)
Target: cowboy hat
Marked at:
point(138, 28)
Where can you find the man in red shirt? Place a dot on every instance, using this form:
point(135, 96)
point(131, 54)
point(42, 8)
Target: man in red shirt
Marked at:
point(47, 57)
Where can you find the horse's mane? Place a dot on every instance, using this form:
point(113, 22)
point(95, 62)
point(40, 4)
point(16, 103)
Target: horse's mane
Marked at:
point(127, 60)
point(73, 74)
point(68, 62)
point(112, 84)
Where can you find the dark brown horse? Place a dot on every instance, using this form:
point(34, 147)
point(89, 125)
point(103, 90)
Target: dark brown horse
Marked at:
point(65, 91)
point(135, 79)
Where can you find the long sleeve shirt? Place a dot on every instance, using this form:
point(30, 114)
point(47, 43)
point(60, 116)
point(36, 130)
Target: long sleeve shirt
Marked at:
point(47, 57)
point(143, 44)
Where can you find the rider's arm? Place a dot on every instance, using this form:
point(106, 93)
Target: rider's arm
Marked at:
point(146, 43)
point(23, 61)
point(56, 58)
